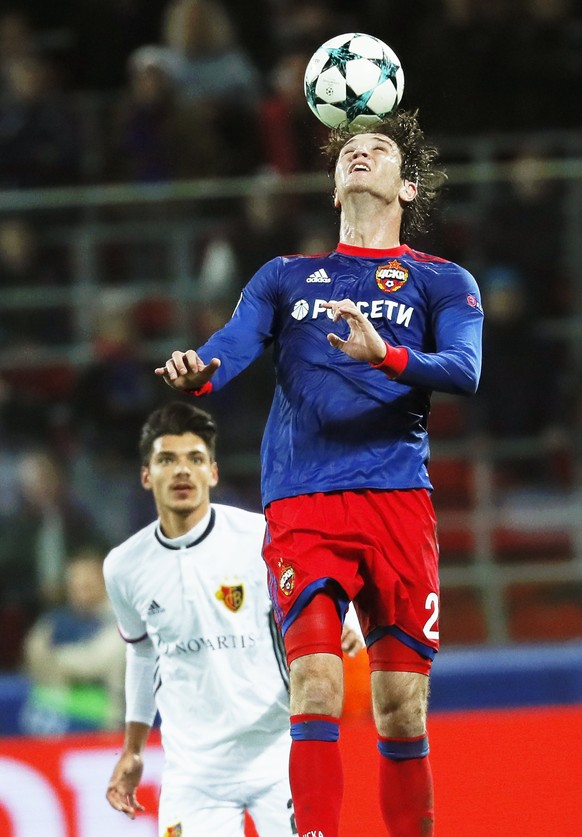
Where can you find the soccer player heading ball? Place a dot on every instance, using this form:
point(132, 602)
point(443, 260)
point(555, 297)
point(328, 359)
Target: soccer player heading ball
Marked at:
point(362, 336)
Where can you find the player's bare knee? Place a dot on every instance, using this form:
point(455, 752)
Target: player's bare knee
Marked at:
point(399, 701)
point(316, 685)
point(401, 720)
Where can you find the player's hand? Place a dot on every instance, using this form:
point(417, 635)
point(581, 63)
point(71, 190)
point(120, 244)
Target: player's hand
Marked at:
point(122, 787)
point(185, 370)
point(352, 642)
point(363, 342)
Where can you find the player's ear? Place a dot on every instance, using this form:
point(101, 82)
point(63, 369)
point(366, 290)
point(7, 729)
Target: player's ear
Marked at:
point(408, 191)
point(213, 474)
point(145, 478)
point(336, 200)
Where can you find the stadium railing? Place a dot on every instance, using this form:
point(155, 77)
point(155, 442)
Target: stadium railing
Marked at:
point(511, 564)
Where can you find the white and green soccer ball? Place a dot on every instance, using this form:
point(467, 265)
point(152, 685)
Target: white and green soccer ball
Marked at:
point(353, 81)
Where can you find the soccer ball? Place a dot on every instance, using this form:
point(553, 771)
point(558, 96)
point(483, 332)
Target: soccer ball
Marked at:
point(353, 81)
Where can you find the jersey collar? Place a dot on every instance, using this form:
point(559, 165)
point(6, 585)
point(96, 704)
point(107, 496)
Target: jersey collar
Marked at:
point(371, 252)
point(191, 538)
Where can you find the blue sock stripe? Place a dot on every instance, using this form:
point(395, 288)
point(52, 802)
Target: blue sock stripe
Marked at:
point(414, 748)
point(315, 731)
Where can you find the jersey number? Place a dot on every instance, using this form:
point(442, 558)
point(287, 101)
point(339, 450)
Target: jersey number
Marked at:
point(432, 603)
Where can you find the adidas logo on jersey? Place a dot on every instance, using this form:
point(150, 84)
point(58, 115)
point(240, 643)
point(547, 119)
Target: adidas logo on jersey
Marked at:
point(319, 277)
point(155, 608)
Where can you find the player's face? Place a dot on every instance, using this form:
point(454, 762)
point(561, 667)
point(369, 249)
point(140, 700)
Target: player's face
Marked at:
point(180, 475)
point(371, 163)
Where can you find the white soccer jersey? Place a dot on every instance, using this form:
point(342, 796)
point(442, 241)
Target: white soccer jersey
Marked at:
point(201, 603)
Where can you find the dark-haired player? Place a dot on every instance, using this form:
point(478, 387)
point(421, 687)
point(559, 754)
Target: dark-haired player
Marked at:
point(362, 336)
point(190, 596)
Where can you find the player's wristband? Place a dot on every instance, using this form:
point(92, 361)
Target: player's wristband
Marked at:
point(395, 361)
point(203, 390)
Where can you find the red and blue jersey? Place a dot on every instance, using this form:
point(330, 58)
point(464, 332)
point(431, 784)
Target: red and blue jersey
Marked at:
point(337, 423)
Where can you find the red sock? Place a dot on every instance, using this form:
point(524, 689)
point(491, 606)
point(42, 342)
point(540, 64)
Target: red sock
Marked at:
point(316, 774)
point(406, 791)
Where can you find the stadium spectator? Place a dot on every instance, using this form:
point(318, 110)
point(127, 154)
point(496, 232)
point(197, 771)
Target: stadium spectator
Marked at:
point(31, 404)
point(311, 23)
point(112, 392)
point(109, 399)
point(488, 56)
point(74, 658)
point(24, 265)
point(17, 41)
point(518, 231)
point(34, 408)
point(204, 54)
point(255, 32)
point(158, 134)
point(291, 137)
point(92, 39)
point(190, 595)
point(519, 361)
point(144, 147)
point(40, 143)
point(36, 538)
point(215, 79)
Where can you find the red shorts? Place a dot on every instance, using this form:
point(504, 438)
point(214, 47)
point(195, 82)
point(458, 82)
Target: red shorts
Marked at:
point(375, 548)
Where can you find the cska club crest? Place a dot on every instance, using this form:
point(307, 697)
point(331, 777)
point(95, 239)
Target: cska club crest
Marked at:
point(391, 277)
point(287, 580)
point(174, 830)
point(233, 596)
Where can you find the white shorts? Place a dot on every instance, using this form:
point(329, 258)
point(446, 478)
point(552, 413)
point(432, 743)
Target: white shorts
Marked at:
point(218, 810)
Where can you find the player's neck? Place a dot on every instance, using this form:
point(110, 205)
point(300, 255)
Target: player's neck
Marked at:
point(175, 524)
point(376, 230)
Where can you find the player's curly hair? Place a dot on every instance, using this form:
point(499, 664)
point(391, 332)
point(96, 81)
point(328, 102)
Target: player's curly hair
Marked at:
point(419, 160)
point(175, 419)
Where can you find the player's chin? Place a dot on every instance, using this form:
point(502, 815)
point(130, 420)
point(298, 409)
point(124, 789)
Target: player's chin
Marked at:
point(358, 184)
point(183, 505)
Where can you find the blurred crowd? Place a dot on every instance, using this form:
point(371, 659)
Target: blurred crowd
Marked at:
point(192, 88)
point(150, 91)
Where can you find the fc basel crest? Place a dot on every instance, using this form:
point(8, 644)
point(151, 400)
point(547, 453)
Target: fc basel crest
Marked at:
point(233, 596)
point(391, 277)
point(174, 830)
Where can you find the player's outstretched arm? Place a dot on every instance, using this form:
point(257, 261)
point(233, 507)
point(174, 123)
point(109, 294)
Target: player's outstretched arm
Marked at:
point(187, 371)
point(363, 342)
point(126, 776)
